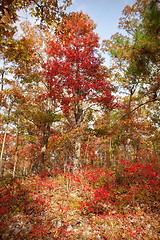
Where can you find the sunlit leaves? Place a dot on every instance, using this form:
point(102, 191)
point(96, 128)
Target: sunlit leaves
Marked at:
point(73, 60)
point(46, 10)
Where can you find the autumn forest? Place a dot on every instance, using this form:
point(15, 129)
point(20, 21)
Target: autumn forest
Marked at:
point(79, 141)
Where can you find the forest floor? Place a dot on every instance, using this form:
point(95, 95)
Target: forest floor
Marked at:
point(93, 204)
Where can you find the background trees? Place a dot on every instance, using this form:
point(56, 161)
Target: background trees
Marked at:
point(22, 82)
point(56, 101)
point(135, 66)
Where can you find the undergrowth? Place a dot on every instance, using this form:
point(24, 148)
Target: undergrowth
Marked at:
point(95, 203)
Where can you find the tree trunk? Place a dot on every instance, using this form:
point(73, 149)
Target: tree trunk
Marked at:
point(2, 75)
point(45, 137)
point(77, 151)
point(2, 151)
point(79, 119)
point(86, 153)
point(110, 150)
point(4, 140)
point(16, 156)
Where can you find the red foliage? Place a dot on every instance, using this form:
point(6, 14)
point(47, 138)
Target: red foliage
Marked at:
point(74, 70)
point(102, 193)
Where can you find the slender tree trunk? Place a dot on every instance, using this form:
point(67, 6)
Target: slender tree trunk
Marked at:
point(77, 151)
point(86, 154)
point(2, 81)
point(43, 148)
point(5, 133)
point(110, 150)
point(4, 140)
point(16, 156)
point(105, 164)
point(15, 163)
point(2, 151)
point(45, 137)
point(2, 75)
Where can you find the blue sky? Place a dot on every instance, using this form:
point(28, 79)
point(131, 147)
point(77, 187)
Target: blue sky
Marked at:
point(105, 13)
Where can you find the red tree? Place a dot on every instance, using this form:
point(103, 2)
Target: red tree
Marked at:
point(75, 73)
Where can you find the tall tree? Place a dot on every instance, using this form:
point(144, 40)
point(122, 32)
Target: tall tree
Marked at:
point(75, 72)
point(136, 56)
point(25, 56)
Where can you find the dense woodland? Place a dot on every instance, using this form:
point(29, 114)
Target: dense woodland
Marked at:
point(79, 141)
